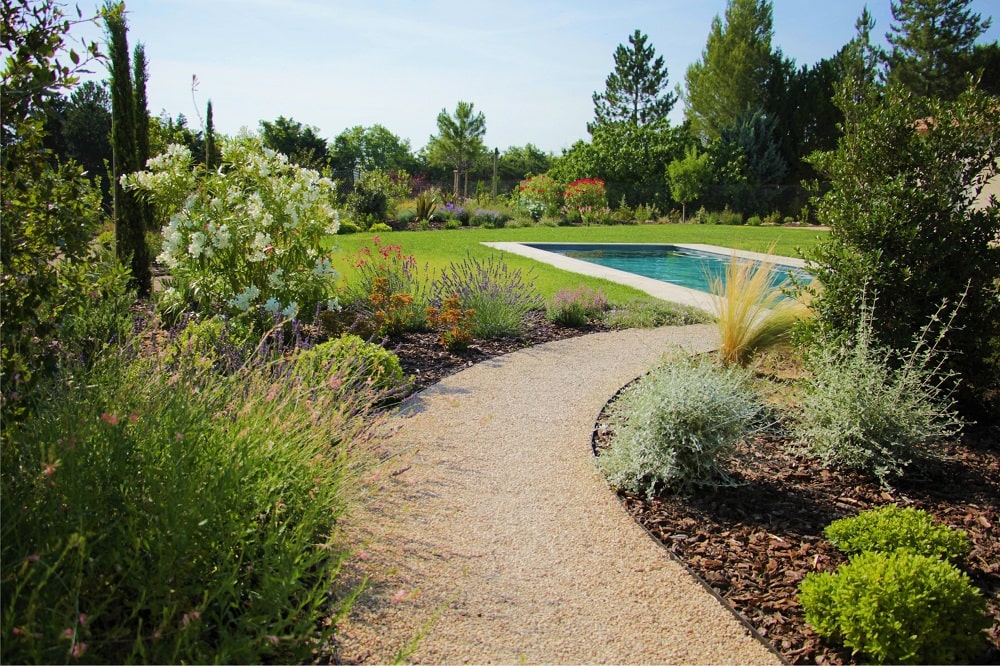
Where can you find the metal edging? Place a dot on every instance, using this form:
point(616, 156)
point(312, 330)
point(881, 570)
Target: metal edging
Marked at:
point(704, 583)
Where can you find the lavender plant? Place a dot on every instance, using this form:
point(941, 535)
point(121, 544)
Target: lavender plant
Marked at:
point(500, 296)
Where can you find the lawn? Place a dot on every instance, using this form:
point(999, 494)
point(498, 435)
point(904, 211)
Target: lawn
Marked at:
point(437, 249)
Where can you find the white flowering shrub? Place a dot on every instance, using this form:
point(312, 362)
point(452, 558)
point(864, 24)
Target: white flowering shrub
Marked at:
point(245, 238)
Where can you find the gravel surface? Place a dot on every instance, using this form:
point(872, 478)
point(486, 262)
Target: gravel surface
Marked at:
point(492, 538)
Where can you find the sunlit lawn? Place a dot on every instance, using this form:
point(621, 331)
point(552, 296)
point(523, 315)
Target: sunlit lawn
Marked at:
point(437, 249)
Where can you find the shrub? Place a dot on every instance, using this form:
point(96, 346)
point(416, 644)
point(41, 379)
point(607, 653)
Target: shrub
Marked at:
point(729, 217)
point(873, 409)
point(379, 228)
point(485, 218)
point(650, 313)
point(351, 361)
point(902, 201)
point(348, 227)
point(404, 217)
point(898, 608)
point(751, 314)
point(539, 195)
point(426, 204)
point(244, 238)
point(456, 325)
point(675, 427)
point(576, 307)
point(754, 221)
point(453, 223)
point(890, 528)
point(500, 297)
point(167, 514)
point(644, 213)
point(586, 193)
point(387, 288)
point(773, 219)
point(375, 192)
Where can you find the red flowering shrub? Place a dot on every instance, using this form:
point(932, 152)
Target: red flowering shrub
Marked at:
point(587, 193)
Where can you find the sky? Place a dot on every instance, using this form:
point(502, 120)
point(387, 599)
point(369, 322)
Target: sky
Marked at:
point(530, 66)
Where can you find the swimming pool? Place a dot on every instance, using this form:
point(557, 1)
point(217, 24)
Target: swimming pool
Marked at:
point(686, 267)
point(696, 260)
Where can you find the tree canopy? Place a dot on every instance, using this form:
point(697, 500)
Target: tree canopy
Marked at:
point(300, 143)
point(635, 91)
point(732, 75)
point(459, 141)
point(932, 44)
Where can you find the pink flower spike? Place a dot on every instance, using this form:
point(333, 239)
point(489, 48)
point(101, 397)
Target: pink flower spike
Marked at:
point(67, 633)
point(110, 419)
point(133, 417)
point(273, 639)
point(78, 650)
point(82, 619)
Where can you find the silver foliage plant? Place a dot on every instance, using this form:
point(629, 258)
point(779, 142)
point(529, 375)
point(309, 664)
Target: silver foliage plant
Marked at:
point(878, 410)
point(676, 427)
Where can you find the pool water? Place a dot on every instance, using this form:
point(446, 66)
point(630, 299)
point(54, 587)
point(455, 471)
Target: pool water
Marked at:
point(667, 263)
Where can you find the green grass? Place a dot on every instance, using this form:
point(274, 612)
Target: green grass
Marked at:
point(439, 248)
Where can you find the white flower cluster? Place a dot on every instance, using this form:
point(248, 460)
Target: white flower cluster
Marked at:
point(247, 235)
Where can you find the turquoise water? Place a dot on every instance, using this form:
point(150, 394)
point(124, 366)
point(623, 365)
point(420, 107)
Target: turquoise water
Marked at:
point(687, 268)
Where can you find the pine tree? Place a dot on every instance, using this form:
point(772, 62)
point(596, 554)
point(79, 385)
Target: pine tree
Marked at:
point(732, 75)
point(129, 230)
point(634, 92)
point(932, 43)
point(459, 141)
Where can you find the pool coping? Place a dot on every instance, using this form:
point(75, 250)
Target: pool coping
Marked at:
point(663, 290)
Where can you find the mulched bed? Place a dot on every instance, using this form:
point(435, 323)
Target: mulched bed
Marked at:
point(754, 542)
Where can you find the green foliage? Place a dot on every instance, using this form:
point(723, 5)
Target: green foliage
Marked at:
point(905, 225)
point(426, 204)
point(375, 193)
point(517, 163)
point(748, 164)
point(688, 177)
point(876, 409)
point(898, 608)
point(369, 149)
point(380, 228)
point(459, 141)
point(674, 428)
point(301, 144)
point(652, 313)
point(58, 286)
point(348, 227)
point(631, 159)
point(500, 296)
point(576, 307)
point(731, 76)
point(130, 233)
point(245, 239)
point(932, 41)
point(347, 362)
point(539, 196)
point(634, 91)
point(890, 528)
point(156, 512)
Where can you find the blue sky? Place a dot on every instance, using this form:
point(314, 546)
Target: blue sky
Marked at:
point(530, 66)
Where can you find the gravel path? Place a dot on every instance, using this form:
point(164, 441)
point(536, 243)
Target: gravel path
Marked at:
point(497, 541)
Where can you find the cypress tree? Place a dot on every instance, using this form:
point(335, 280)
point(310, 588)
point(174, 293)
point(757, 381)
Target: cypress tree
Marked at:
point(142, 126)
point(129, 230)
point(209, 138)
